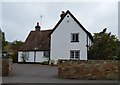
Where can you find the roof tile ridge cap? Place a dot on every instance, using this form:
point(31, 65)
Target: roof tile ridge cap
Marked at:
point(47, 30)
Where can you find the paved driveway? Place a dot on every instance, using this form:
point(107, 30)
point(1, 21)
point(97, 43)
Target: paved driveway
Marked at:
point(36, 73)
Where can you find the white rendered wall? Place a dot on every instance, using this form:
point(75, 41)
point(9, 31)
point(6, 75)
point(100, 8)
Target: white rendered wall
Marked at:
point(31, 56)
point(19, 56)
point(39, 56)
point(61, 40)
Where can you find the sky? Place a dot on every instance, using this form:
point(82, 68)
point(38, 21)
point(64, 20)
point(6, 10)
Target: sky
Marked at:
point(19, 18)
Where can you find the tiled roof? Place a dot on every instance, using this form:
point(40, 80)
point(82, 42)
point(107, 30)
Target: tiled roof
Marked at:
point(37, 40)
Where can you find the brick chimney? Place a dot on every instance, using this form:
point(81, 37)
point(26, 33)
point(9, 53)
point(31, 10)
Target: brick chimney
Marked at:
point(37, 28)
point(63, 14)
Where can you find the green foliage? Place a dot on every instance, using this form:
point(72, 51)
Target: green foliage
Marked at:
point(52, 62)
point(12, 49)
point(4, 42)
point(16, 45)
point(15, 57)
point(118, 51)
point(105, 47)
point(45, 63)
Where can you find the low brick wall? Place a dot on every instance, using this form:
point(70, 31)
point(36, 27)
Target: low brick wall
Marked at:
point(6, 67)
point(90, 69)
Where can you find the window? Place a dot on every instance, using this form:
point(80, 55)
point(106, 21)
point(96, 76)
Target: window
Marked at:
point(25, 55)
point(46, 54)
point(74, 54)
point(74, 37)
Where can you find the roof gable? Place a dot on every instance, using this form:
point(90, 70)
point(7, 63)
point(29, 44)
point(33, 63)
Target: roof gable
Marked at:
point(68, 12)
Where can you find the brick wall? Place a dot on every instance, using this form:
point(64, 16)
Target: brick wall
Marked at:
point(90, 69)
point(6, 67)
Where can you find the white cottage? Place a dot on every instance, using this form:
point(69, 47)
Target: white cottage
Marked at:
point(36, 47)
point(69, 39)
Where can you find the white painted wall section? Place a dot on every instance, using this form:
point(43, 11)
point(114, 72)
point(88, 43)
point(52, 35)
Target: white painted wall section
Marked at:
point(31, 56)
point(40, 57)
point(19, 56)
point(61, 40)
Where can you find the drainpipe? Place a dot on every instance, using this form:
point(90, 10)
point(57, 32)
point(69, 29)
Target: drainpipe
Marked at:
point(87, 47)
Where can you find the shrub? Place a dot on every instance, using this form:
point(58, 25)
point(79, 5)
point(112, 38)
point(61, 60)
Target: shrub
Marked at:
point(45, 63)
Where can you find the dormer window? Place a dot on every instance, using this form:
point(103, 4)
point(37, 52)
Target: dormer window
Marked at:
point(74, 37)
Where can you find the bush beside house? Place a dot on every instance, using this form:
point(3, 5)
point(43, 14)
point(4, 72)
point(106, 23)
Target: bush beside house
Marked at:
point(105, 47)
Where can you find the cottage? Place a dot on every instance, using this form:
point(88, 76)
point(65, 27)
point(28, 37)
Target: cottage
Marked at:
point(36, 47)
point(68, 40)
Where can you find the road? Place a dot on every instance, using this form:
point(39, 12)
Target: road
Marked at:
point(36, 73)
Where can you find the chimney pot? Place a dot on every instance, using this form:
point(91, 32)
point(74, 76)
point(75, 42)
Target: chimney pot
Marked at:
point(37, 28)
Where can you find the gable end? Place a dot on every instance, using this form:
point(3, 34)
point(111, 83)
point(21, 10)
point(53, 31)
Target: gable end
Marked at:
point(68, 12)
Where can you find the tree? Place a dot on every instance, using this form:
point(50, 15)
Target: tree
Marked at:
point(15, 47)
point(4, 42)
point(105, 47)
point(118, 50)
point(12, 49)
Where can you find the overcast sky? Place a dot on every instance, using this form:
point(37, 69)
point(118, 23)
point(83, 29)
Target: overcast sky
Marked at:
point(19, 18)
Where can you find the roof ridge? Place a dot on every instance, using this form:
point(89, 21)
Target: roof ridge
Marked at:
point(47, 30)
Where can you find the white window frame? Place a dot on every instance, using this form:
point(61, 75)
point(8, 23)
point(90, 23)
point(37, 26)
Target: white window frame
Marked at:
point(75, 54)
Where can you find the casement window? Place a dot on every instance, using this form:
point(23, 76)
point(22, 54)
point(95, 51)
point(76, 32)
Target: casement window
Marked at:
point(25, 55)
point(74, 54)
point(46, 54)
point(74, 37)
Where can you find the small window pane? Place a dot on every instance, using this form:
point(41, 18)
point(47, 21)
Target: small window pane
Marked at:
point(46, 54)
point(75, 37)
point(72, 37)
point(72, 54)
point(77, 54)
point(27, 54)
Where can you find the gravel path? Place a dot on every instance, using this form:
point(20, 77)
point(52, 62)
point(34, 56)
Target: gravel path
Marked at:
point(36, 73)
